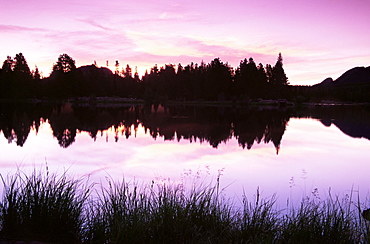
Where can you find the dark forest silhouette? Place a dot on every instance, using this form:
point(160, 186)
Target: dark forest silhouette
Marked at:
point(199, 124)
point(215, 81)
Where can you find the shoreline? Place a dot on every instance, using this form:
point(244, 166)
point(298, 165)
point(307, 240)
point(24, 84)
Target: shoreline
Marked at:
point(277, 103)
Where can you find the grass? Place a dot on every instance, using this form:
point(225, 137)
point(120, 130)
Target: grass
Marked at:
point(329, 221)
point(42, 207)
point(56, 209)
point(158, 214)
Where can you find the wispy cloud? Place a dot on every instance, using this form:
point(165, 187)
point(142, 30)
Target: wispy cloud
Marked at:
point(17, 28)
point(95, 24)
point(192, 49)
point(87, 46)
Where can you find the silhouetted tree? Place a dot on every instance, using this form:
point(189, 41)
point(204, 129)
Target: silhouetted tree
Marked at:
point(269, 74)
point(136, 75)
point(261, 80)
point(65, 82)
point(218, 80)
point(167, 82)
point(250, 79)
point(36, 74)
point(21, 67)
point(65, 64)
point(278, 75)
point(6, 88)
point(127, 72)
point(22, 86)
point(117, 67)
point(240, 75)
point(16, 78)
point(199, 81)
point(8, 64)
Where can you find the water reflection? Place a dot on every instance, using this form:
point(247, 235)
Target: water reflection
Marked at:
point(352, 121)
point(204, 124)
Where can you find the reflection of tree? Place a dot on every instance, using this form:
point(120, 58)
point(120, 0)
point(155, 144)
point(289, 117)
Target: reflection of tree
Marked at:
point(21, 130)
point(16, 123)
point(248, 129)
point(63, 124)
point(212, 125)
point(275, 131)
point(219, 134)
point(258, 126)
point(216, 125)
point(66, 137)
point(95, 120)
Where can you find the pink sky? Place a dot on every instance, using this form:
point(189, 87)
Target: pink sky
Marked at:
point(318, 39)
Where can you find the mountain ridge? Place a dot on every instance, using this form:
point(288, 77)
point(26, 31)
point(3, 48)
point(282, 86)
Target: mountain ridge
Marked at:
point(359, 74)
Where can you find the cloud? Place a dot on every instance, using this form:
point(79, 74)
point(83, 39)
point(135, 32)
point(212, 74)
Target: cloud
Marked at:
point(141, 49)
point(175, 49)
point(95, 24)
point(17, 28)
point(90, 43)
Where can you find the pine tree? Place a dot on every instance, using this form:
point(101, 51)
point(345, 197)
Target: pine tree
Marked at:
point(278, 75)
point(117, 68)
point(8, 64)
point(65, 64)
point(36, 74)
point(269, 73)
point(127, 72)
point(21, 66)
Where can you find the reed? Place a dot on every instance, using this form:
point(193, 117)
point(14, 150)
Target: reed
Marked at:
point(258, 221)
point(49, 208)
point(42, 207)
point(333, 220)
point(125, 213)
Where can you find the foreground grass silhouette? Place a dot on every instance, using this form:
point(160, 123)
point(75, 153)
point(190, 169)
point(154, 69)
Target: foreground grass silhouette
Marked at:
point(49, 208)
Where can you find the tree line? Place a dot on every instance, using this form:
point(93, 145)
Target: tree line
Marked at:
point(215, 81)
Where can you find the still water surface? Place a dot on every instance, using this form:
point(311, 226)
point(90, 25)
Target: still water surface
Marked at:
point(289, 153)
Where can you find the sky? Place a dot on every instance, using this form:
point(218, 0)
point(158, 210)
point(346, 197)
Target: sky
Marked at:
point(318, 39)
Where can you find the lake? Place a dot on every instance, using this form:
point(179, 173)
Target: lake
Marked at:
point(293, 153)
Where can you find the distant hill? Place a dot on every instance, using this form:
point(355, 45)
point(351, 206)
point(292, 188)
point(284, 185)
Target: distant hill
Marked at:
point(353, 85)
point(352, 76)
point(355, 75)
point(91, 72)
point(88, 72)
